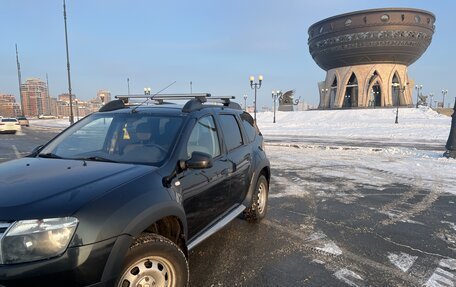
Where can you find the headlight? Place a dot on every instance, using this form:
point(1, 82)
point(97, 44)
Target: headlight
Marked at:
point(31, 240)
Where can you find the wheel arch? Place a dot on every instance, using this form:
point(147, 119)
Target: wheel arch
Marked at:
point(166, 217)
point(264, 170)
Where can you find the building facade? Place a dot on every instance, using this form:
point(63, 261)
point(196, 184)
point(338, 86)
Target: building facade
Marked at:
point(35, 98)
point(9, 107)
point(366, 55)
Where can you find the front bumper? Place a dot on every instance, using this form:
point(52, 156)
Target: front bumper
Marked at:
point(78, 266)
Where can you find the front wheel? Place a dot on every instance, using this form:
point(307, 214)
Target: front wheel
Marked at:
point(257, 209)
point(154, 260)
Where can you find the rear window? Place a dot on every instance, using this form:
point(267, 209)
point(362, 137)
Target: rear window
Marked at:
point(9, 120)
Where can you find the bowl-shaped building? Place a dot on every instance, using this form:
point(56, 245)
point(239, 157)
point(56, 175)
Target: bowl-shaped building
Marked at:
point(366, 55)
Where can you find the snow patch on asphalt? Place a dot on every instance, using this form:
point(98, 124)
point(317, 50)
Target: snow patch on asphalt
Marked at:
point(346, 169)
point(330, 248)
point(347, 276)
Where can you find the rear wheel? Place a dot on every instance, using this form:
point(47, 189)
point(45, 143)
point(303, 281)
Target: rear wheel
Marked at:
point(258, 208)
point(154, 260)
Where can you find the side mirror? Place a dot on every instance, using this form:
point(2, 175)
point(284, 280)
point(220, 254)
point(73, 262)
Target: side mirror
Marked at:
point(199, 160)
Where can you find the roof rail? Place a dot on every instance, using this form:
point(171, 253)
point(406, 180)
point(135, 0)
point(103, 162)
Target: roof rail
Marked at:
point(126, 98)
point(195, 100)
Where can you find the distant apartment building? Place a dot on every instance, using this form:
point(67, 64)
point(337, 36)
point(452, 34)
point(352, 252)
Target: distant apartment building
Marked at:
point(35, 98)
point(65, 97)
point(9, 107)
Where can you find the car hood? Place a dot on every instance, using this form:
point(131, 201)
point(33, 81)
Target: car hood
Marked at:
point(58, 187)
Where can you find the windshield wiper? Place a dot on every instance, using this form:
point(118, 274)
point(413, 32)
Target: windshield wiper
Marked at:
point(49, 155)
point(96, 158)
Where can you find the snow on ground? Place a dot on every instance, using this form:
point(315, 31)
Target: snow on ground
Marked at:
point(366, 167)
point(50, 123)
point(376, 124)
point(363, 166)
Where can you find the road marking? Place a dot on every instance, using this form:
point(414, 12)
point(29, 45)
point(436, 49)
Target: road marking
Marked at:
point(346, 256)
point(441, 277)
point(448, 263)
point(16, 152)
point(402, 260)
point(348, 276)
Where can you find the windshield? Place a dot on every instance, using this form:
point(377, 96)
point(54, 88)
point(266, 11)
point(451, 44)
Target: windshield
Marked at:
point(126, 138)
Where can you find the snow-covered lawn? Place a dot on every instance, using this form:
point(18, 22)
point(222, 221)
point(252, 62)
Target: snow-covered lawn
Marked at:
point(421, 124)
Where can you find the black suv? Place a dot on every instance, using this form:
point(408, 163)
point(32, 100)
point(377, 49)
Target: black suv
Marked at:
point(120, 197)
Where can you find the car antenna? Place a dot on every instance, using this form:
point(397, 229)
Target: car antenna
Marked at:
point(152, 97)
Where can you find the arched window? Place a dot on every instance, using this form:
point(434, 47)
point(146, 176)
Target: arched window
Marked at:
point(351, 93)
point(375, 98)
point(396, 90)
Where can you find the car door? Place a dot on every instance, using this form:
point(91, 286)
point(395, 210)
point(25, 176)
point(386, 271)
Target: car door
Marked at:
point(239, 153)
point(205, 190)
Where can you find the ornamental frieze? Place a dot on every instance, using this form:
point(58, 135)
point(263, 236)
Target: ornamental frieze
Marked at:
point(374, 36)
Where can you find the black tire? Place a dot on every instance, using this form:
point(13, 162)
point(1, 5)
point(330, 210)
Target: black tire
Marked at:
point(155, 260)
point(257, 210)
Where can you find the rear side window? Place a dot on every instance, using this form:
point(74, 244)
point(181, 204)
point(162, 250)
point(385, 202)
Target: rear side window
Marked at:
point(230, 127)
point(249, 126)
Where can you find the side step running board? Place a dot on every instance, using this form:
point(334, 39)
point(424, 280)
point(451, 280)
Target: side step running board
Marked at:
point(216, 227)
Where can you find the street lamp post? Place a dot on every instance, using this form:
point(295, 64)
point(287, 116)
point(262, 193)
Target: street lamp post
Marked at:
point(444, 93)
point(77, 109)
point(418, 89)
point(275, 95)
point(68, 64)
point(401, 90)
point(255, 86)
point(245, 102)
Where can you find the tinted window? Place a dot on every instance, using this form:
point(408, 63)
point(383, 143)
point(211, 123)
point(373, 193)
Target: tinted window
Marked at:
point(204, 138)
point(9, 120)
point(249, 126)
point(231, 130)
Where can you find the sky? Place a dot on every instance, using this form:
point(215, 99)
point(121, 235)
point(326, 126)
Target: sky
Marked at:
point(216, 45)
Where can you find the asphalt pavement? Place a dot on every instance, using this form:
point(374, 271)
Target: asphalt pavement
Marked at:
point(18, 145)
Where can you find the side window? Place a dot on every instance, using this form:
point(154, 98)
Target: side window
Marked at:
point(204, 138)
point(249, 126)
point(230, 128)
